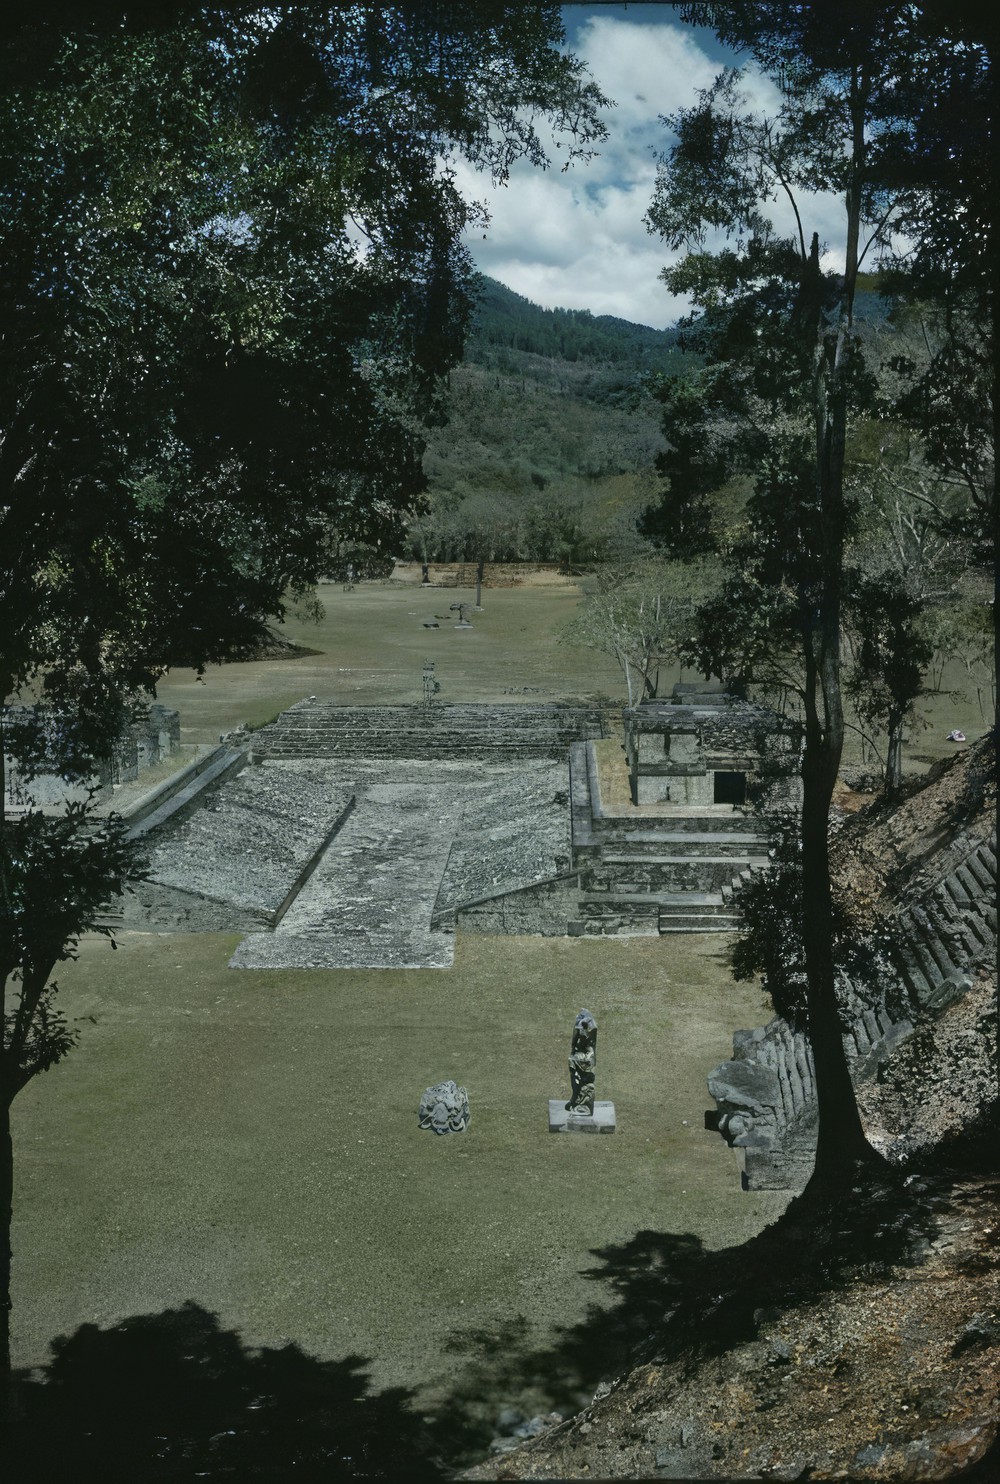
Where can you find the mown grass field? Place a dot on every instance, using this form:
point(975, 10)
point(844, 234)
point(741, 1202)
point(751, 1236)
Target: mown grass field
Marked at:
point(249, 1141)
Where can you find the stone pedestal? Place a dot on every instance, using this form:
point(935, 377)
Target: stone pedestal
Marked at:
point(602, 1121)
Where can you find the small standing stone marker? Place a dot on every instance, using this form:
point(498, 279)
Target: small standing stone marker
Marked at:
point(582, 1114)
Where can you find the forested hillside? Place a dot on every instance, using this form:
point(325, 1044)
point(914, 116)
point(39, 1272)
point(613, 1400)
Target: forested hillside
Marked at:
point(549, 448)
point(507, 321)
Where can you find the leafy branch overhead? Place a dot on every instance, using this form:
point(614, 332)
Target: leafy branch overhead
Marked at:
point(71, 866)
point(235, 281)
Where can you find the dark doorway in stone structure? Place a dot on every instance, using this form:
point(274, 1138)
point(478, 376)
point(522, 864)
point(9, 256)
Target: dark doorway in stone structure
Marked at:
point(730, 788)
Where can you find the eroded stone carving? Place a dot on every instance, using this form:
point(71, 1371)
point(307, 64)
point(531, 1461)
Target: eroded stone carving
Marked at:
point(444, 1109)
point(583, 1065)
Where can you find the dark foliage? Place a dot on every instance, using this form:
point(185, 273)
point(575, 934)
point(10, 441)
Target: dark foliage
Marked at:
point(769, 942)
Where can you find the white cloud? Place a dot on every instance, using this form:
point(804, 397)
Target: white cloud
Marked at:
point(576, 239)
point(647, 69)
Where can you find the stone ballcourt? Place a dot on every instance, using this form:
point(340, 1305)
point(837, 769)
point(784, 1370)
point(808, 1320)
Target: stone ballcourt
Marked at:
point(249, 1140)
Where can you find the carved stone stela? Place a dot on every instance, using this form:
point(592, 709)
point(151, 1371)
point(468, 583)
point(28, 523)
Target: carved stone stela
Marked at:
point(444, 1109)
point(582, 1114)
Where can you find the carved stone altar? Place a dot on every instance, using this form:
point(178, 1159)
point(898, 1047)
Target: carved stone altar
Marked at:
point(444, 1109)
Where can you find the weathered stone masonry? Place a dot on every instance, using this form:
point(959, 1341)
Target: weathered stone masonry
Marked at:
point(765, 1094)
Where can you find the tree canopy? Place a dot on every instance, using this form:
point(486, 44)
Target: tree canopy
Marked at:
point(234, 280)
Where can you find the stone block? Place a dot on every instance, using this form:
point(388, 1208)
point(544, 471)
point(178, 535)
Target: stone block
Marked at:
point(979, 868)
point(745, 1085)
point(561, 1122)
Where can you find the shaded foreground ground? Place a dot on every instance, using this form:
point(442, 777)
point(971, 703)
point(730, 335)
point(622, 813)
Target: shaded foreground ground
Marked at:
point(249, 1142)
point(856, 1338)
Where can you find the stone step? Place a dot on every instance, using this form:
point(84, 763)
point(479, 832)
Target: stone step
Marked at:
point(456, 730)
point(969, 882)
point(980, 866)
point(721, 819)
point(616, 858)
point(617, 916)
point(977, 933)
point(698, 900)
point(322, 729)
point(598, 928)
point(693, 901)
point(912, 970)
point(663, 874)
point(698, 922)
point(673, 843)
point(932, 942)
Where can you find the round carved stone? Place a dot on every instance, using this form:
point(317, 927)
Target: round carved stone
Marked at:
point(444, 1109)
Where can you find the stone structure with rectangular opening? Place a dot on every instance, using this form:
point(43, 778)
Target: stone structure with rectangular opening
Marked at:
point(699, 748)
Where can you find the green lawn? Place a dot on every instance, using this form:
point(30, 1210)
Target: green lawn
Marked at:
point(372, 648)
point(249, 1140)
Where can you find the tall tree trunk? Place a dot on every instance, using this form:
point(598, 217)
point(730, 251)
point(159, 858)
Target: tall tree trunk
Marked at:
point(6, 1147)
point(6, 1215)
point(993, 330)
point(894, 755)
point(841, 1144)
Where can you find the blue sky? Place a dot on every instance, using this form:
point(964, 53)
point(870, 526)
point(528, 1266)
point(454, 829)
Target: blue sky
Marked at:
point(577, 239)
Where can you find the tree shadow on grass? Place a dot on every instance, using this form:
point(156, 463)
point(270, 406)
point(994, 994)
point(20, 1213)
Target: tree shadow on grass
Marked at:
point(674, 1300)
point(173, 1396)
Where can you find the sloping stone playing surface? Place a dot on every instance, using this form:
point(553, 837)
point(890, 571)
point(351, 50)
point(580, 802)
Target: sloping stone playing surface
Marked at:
point(422, 836)
point(250, 840)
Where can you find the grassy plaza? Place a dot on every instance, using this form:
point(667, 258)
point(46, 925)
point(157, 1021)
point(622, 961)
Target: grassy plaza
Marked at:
point(248, 1140)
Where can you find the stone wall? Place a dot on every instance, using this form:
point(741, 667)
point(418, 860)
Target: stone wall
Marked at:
point(934, 948)
point(542, 909)
point(142, 745)
point(156, 907)
point(145, 743)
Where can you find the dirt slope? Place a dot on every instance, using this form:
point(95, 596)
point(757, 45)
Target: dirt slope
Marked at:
point(855, 1340)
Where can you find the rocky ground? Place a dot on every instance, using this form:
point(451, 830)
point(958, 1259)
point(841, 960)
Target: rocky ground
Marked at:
point(881, 846)
point(856, 1338)
point(871, 1353)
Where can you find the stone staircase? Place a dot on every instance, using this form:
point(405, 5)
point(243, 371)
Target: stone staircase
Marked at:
point(630, 873)
point(651, 874)
point(766, 1094)
point(320, 729)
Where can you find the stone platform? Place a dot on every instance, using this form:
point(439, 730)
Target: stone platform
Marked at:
point(561, 1122)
